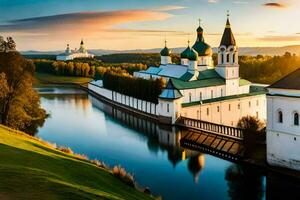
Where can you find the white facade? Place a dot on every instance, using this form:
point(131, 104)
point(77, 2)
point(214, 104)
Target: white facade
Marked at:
point(228, 112)
point(283, 130)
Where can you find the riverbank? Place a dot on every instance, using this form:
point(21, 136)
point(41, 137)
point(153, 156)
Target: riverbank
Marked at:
point(42, 79)
point(33, 169)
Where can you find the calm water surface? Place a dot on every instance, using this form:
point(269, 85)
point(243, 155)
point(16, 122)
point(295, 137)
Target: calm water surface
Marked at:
point(151, 152)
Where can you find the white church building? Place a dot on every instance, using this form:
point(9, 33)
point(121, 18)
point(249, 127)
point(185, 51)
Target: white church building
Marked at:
point(283, 128)
point(72, 54)
point(197, 89)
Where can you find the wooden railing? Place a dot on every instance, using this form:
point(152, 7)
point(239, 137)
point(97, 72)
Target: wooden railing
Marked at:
point(218, 129)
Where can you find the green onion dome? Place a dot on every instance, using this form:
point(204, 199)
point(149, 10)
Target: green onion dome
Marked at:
point(193, 55)
point(165, 52)
point(184, 54)
point(202, 48)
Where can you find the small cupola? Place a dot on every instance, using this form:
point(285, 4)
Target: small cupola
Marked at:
point(165, 54)
point(184, 55)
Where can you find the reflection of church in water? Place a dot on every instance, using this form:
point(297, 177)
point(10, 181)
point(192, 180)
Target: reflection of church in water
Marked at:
point(159, 137)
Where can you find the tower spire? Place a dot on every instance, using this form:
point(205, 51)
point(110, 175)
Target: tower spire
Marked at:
point(228, 38)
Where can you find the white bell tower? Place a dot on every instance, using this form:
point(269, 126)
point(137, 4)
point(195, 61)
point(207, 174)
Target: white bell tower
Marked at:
point(228, 66)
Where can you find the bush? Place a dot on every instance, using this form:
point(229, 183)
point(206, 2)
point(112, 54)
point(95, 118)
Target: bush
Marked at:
point(65, 150)
point(125, 177)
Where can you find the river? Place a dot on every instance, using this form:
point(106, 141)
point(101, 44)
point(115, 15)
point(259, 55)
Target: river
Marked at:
point(149, 151)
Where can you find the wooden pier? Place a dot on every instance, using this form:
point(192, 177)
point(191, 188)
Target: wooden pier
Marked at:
point(223, 147)
point(219, 140)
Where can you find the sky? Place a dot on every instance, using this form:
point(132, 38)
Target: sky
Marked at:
point(47, 25)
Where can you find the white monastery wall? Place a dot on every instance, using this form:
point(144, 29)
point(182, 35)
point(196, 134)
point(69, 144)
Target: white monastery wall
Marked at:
point(228, 112)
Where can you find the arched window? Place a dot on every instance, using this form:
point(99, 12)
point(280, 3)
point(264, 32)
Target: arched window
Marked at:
point(228, 58)
point(280, 117)
point(233, 58)
point(296, 119)
point(222, 58)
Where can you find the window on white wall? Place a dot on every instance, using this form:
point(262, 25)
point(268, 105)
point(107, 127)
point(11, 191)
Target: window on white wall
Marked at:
point(249, 104)
point(280, 117)
point(218, 108)
point(212, 94)
point(221, 92)
point(168, 108)
point(229, 107)
point(190, 97)
point(239, 106)
point(200, 96)
point(207, 111)
point(296, 119)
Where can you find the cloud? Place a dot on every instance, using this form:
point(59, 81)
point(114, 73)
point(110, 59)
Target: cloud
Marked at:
point(241, 2)
point(274, 5)
point(212, 1)
point(81, 22)
point(284, 38)
point(170, 8)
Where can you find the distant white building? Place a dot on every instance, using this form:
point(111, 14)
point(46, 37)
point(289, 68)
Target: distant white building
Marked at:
point(283, 130)
point(199, 90)
point(72, 54)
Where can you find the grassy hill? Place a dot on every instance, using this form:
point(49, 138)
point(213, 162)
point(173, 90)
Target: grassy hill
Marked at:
point(30, 169)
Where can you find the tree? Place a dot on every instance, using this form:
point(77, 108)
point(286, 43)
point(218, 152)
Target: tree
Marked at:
point(8, 45)
point(19, 103)
point(70, 68)
point(254, 133)
point(3, 86)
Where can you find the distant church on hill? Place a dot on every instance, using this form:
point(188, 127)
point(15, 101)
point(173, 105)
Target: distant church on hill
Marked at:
point(72, 54)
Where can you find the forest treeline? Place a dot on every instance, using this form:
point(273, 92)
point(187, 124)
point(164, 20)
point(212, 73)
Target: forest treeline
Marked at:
point(93, 69)
point(258, 69)
point(140, 88)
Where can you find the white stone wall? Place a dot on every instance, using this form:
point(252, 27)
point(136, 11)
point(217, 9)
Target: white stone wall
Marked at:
point(165, 60)
point(207, 93)
point(228, 112)
point(170, 109)
point(132, 102)
point(283, 147)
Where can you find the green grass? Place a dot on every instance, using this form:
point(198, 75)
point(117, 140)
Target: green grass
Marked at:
point(43, 78)
point(30, 169)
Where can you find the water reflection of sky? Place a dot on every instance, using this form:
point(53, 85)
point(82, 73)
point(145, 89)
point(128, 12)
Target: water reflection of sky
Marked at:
point(76, 123)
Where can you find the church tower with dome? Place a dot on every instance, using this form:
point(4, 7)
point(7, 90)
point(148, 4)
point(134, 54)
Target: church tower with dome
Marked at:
point(204, 51)
point(199, 90)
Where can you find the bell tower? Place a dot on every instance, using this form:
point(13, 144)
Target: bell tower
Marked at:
point(228, 66)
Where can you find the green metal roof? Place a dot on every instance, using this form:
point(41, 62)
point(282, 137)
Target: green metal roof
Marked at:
point(209, 73)
point(223, 99)
point(187, 76)
point(244, 82)
point(182, 85)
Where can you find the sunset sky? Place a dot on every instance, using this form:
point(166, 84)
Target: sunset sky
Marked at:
point(142, 24)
